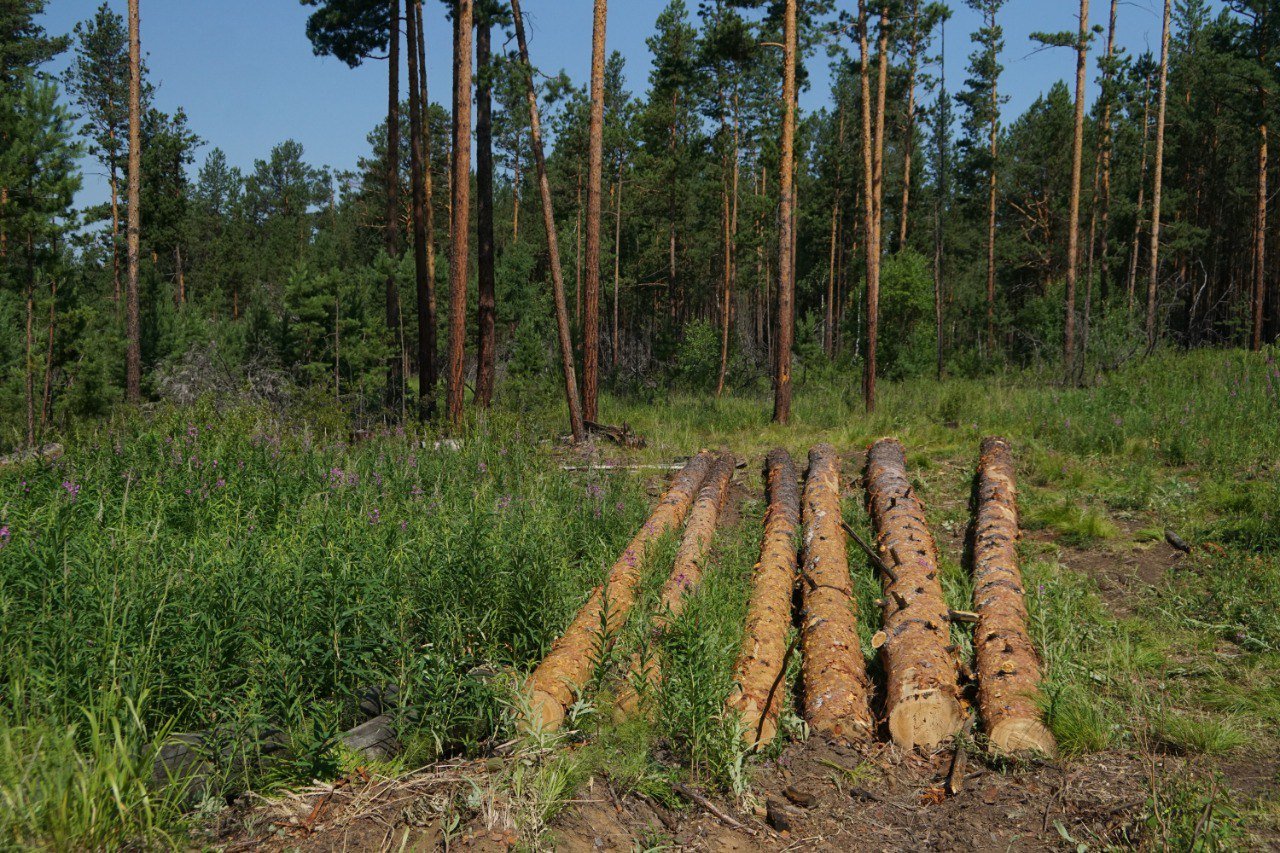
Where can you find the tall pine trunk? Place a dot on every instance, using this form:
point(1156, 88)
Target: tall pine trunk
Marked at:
point(991, 205)
point(391, 228)
point(909, 134)
point(1073, 217)
point(424, 284)
point(940, 196)
point(1158, 180)
point(549, 225)
point(595, 168)
point(1260, 244)
point(868, 199)
point(459, 240)
point(1132, 279)
point(786, 275)
point(485, 343)
point(133, 332)
point(617, 260)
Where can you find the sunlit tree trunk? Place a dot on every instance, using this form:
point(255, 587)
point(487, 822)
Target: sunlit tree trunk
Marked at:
point(423, 260)
point(1132, 279)
point(485, 344)
point(549, 225)
point(133, 332)
point(1260, 247)
point(461, 203)
point(391, 231)
point(786, 277)
point(1158, 180)
point(1073, 218)
point(595, 169)
point(909, 135)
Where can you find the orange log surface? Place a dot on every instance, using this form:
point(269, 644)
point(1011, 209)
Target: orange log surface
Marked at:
point(1007, 664)
point(759, 678)
point(686, 574)
point(553, 686)
point(836, 688)
point(922, 693)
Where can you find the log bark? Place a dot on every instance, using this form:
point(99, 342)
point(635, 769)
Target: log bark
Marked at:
point(922, 692)
point(555, 684)
point(644, 676)
point(836, 688)
point(1008, 666)
point(760, 671)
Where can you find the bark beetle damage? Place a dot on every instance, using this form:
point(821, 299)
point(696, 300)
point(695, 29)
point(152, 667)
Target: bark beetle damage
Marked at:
point(921, 698)
point(686, 575)
point(836, 688)
point(1008, 667)
point(758, 674)
point(554, 684)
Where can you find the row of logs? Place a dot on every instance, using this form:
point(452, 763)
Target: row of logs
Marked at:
point(922, 702)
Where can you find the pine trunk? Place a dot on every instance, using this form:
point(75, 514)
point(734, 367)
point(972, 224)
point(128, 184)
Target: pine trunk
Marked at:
point(485, 343)
point(595, 169)
point(1157, 180)
point(1073, 217)
point(133, 332)
point(459, 243)
point(424, 284)
point(786, 274)
point(549, 225)
point(391, 228)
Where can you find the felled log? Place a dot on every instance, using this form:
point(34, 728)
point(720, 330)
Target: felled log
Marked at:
point(45, 453)
point(644, 675)
point(554, 685)
point(1008, 666)
point(209, 763)
point(622, 436)
point(760, 670)
point(836, 688)
point(922, 691)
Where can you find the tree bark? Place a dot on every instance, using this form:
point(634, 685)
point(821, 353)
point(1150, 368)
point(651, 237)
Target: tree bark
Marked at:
point(459, 254)
point(46, 400)
point(1073, 217)
point(133, 332)
point(940, 202)
point(391, 229)
point(485, 343)
point(786, 274)
point(549, 225)
point(921, 700)
point(871, 229)
point(595, 169)
point(1158, 181)
point(423, 266)
point(617, 261)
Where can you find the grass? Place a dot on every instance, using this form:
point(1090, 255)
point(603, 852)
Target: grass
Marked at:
point(198, 571)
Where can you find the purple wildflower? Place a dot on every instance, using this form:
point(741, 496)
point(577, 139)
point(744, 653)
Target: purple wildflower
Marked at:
point(221, 484)
point(503, 502)
point(375, 517)
point(72, 487)
point(4, 535)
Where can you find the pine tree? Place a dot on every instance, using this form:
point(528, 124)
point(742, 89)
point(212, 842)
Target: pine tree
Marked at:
point(459, 231)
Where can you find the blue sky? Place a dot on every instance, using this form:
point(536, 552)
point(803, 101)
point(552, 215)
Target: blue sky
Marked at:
point(245, 73)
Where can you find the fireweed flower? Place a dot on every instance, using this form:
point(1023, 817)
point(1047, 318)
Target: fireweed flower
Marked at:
point(375, 517)
point(503, 502)
point(4, 536)
point(72, 489)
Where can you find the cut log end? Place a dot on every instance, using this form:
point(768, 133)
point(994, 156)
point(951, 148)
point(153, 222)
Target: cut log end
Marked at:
point(848, 730)
point(925, 720)
point(1020, 735)
point(545, 713)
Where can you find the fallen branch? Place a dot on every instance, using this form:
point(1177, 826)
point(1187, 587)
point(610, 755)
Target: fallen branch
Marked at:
point(623, 435)
point(692, 795)
point(879, 564)
point(955, 779)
